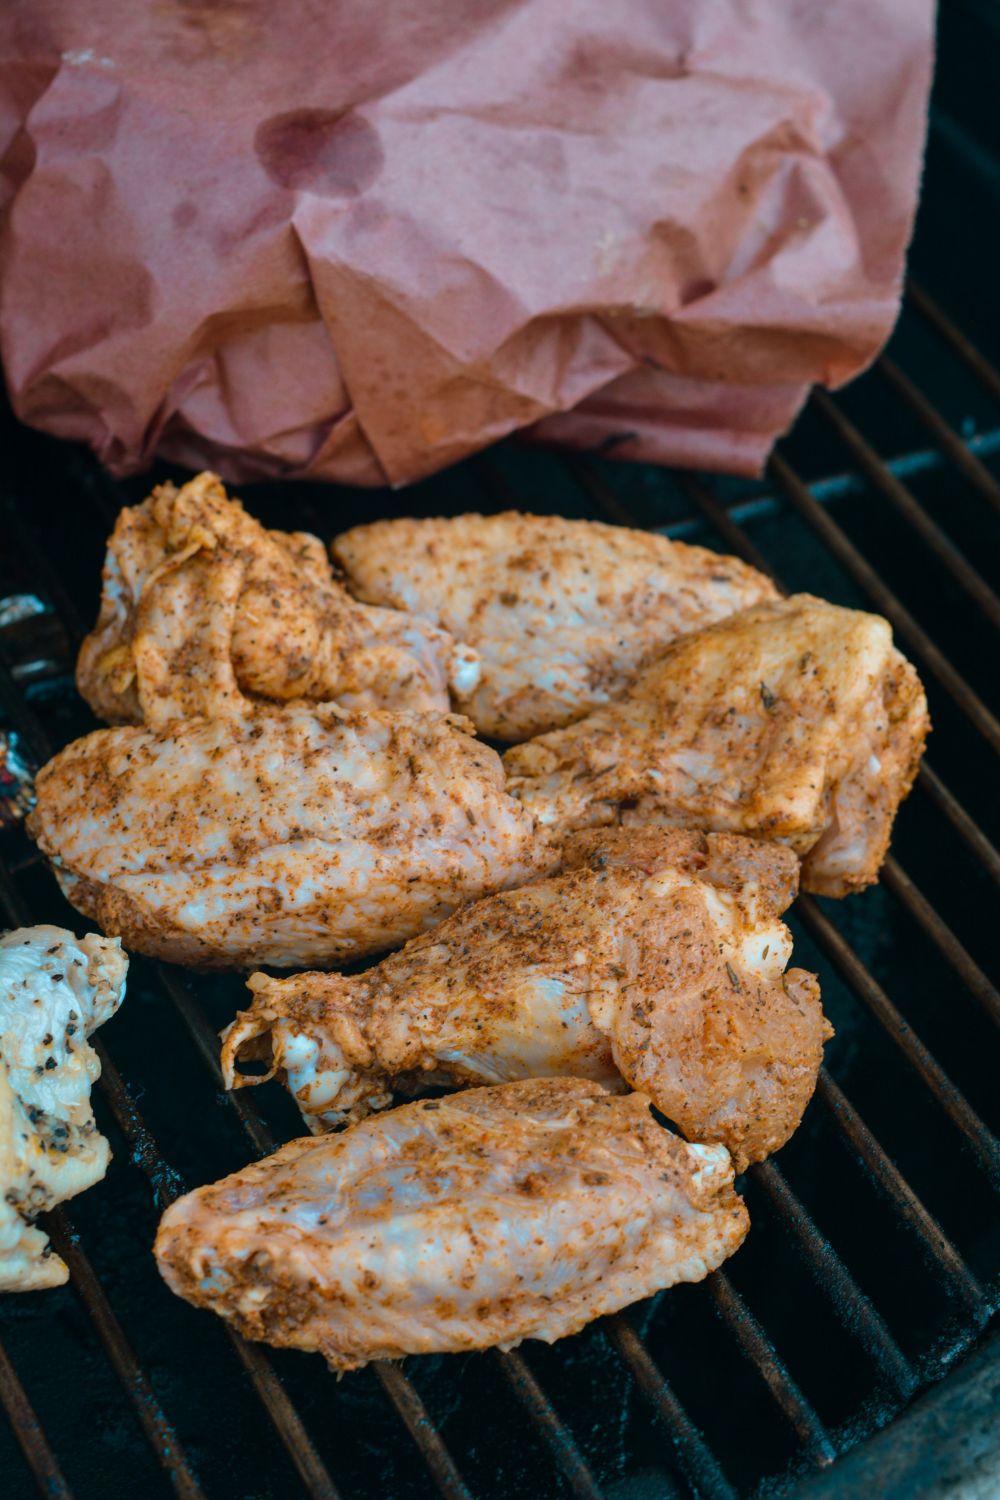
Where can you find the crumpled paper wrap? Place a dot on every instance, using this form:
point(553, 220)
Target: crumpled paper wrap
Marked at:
point(359, 241)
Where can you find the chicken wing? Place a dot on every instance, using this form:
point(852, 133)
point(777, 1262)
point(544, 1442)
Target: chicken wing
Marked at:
point(796, 721)
point(521, 1211)
point(564, 614)
point(203, 610)
point(55, 990)
point(659, 960)
point(303, 835)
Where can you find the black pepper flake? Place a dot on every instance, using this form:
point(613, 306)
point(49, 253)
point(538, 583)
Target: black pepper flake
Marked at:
point(767, 697)
point(50, 1063)
point(57, 978)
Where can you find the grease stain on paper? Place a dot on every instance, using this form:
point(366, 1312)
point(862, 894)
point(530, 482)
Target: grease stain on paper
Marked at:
point(329, 152)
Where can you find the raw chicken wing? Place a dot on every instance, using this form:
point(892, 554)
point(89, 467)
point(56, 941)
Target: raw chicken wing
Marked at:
point(203, 610)
point(302, 835)
point(55, 990)
point(659, 960)
point(521, 1211)
point(563, 614)
point(796, 721)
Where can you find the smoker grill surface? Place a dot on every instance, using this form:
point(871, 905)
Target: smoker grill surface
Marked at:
point(873, 1264)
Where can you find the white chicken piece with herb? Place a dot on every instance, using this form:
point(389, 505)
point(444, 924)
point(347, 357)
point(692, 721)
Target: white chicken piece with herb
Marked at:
point(55, 989)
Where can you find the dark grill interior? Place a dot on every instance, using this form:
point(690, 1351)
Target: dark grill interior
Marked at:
point(874, 1260)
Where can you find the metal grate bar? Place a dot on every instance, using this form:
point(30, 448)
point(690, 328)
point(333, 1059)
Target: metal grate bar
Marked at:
point(798, 1411)
point(422, 1430)
point(561, 1441)
point(404, 1398)
point(844, 957)
point(693, 1453)
point(30, 1434)
point(952, 334)
point(972, 836)
point(907, 505)
point(885, 601)
point(945, 435)
point(206, 1041)
point(167, 1186)
point(896, 880)
point(540, 1408)
point(159, 1433)
point(952, 1100)
point(890, 1181)
point(853, 1308)
point(284, 1418)
point(885, 1173)
point(736, 538)
point(723, 524)
point(207, 1044)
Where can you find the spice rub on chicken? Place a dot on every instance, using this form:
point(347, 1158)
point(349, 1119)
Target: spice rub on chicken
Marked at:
point(55, 989)
point(563, 614)
point(796, 721)
point(491, 1216)
point(305, 835)
point(203, 610)
point(656, 962)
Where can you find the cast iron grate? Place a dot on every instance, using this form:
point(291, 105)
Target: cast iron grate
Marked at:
point(873, 1264)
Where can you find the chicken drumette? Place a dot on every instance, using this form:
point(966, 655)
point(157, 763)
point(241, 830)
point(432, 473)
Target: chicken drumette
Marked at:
point(302, 835)
point(658, 960)
point(521, 1211)
point(795, 721)
point(563, 614)
point(203, 609)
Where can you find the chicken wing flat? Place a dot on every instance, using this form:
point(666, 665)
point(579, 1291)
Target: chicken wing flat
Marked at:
point(657, 963)
point(795, 721)
point(55, 990)
point(563, 614)
point(203, 609)
point(303, 835)
point(521, 1211)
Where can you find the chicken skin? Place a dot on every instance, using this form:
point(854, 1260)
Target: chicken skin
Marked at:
point(295, 836)
point(564, 614)
point(495, 1215)
point(795, 721)
point(55, 989)
point(656, 962)
point(203, 609)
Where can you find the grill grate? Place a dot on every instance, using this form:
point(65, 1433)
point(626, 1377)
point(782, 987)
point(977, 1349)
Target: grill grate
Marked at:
point(873, 1264)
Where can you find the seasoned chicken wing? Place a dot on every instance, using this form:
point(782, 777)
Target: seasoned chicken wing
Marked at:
point(658, 960)
point(55, 990)
point(796, 721)
point(564, 614)
point(303, 835)
point(203, 610)
point(521, 1211)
